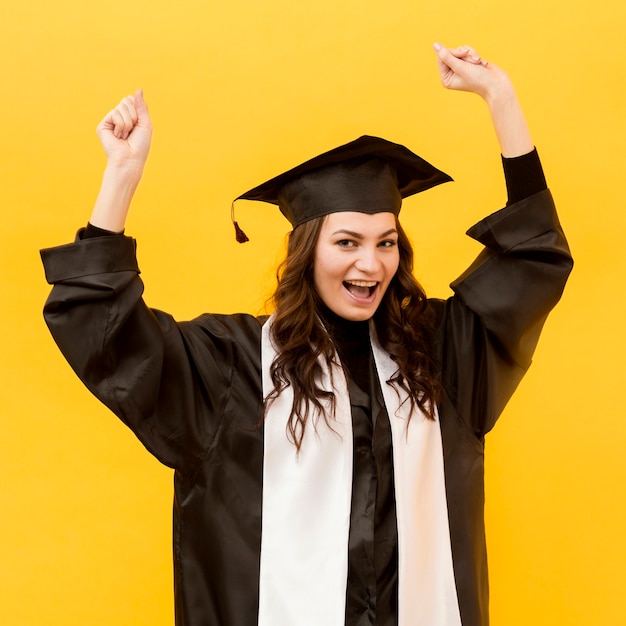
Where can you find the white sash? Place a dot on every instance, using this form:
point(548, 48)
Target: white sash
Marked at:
point(306, 510)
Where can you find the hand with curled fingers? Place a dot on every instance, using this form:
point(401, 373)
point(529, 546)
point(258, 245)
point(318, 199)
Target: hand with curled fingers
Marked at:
point(126, 132)
point(463, 69)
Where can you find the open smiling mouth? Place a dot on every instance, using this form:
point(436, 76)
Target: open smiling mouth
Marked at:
point(361, 288)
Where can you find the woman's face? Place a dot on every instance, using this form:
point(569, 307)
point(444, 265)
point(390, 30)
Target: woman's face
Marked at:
point(356, 257)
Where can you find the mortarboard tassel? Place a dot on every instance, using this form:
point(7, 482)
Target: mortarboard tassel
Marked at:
point(240, 236)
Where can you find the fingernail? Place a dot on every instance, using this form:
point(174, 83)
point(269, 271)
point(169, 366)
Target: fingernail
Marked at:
point(437, 46)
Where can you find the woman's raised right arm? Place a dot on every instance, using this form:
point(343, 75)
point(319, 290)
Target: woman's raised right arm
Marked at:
point(125, 134)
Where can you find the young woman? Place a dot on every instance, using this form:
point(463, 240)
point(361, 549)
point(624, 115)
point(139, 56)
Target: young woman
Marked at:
point(328, 460)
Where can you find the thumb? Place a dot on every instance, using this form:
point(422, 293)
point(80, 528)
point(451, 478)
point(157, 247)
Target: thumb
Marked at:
point(445, 57)
point(141, 107)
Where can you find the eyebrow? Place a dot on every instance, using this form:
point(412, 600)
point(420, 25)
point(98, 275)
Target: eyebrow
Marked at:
point(351, 233)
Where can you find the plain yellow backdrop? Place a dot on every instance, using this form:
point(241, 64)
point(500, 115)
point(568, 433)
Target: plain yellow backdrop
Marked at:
point(238, 92)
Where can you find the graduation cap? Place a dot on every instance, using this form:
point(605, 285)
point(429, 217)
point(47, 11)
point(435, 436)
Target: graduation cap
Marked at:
point(368, 175)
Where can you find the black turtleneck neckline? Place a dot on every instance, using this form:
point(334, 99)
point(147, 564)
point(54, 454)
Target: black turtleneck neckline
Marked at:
point(352, 341)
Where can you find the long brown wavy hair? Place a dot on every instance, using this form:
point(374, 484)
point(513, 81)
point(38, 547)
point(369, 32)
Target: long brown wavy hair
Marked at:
point(403, 326)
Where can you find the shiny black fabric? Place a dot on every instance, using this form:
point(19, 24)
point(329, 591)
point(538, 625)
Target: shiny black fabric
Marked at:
point(191, 392)
point(368, 187)
point(368, 174)
point(372, 586)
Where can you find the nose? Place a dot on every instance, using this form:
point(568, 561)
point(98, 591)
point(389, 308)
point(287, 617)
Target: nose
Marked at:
point(368, 261)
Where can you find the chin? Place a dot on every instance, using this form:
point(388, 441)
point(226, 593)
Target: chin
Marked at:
point(357, 315)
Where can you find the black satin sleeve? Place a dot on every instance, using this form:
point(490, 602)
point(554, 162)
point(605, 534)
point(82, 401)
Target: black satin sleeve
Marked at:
point(169, 381)
point(491, 326)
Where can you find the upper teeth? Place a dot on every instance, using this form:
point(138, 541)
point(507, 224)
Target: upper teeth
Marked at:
point(362, 283)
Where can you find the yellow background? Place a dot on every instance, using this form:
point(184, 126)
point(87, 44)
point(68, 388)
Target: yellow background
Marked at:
point(238, 92)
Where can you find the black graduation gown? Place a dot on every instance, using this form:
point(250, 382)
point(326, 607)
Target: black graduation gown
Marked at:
point(191, 392)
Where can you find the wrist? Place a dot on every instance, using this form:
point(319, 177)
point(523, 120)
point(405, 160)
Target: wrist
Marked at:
point(123, 173)
point(116, 192)
point(500, 94)
point(509, 121)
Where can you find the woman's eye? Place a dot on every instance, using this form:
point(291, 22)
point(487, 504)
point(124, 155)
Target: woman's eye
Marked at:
point(345, 243)
point(388, 243)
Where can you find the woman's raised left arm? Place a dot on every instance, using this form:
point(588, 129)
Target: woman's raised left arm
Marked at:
point(463, 70)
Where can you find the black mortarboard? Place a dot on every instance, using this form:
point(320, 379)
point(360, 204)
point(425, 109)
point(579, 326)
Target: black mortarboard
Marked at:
point(369, 175)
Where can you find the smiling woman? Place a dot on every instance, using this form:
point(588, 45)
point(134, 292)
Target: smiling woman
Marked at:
point(329, 459)
point(356, 258)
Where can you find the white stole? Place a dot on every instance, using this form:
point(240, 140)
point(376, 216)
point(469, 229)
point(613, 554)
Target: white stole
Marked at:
point(306, 509)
